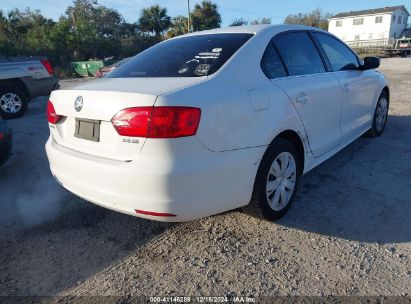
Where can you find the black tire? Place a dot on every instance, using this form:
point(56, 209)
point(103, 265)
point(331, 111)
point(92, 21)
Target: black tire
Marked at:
point(21, 94)
point(259, 205)
point(375, 129)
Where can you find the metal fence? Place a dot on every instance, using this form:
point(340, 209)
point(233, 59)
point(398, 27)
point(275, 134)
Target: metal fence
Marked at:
point(376, 47)
point(372, 43)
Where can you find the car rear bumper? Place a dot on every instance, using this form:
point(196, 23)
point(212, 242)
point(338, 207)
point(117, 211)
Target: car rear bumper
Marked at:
point(190, 187)
point(41, 87)
point(6, 144)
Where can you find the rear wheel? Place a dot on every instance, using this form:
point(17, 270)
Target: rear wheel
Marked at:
point(276, 182)
point(380, 116)
point(13, 102)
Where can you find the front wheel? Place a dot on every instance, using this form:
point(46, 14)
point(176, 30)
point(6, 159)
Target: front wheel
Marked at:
point(276, 182)
point(13, 102)
point(380, 116)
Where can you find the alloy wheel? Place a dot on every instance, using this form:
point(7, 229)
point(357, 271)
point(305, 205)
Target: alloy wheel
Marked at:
point(10, 103)
point(381, 115)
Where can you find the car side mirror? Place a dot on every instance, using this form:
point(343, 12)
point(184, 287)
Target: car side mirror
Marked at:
point(371, 63)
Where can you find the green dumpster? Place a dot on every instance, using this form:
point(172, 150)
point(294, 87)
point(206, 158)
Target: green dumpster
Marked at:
point(93, 66)
point(80, 68)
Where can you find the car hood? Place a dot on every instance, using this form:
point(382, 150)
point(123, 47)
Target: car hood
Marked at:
point(150, 86)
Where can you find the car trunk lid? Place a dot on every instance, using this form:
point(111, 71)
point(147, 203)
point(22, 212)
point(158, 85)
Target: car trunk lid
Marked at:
point(100, 101)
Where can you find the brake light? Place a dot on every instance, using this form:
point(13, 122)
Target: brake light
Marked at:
point(52, 116)
point(47, 66)
point(157, 122)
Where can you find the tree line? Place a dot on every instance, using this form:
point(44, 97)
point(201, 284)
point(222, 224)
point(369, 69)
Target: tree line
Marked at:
point(88, 30)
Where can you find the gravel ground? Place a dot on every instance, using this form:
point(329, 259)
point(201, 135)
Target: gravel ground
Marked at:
point(348, 233)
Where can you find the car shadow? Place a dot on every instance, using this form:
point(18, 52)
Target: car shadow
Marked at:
point(363, 193)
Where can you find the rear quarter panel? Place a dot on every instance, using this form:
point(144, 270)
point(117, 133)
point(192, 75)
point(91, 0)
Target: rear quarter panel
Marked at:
point(33, 69)
point(228, 119)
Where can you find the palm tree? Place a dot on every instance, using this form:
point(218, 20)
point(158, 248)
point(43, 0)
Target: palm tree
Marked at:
point(205, 16)
point(179, 27)
point(154, 19)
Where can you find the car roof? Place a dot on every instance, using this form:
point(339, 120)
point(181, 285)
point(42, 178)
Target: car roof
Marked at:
point(254, 29)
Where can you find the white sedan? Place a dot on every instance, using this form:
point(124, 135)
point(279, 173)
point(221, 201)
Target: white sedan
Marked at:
point(215, 120)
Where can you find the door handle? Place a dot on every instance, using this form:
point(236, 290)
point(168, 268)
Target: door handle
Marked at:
point(346, 88)
point(302, 98)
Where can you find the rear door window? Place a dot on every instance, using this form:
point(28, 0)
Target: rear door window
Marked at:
point(192, 56)
point(299, 54)
point(340, 56)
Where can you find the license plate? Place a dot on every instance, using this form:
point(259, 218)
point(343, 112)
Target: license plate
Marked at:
point(87, 129)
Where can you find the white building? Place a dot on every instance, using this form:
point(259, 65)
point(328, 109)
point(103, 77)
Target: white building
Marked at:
point(375, 27)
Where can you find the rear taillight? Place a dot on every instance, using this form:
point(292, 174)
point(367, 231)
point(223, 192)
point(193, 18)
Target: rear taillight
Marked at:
point(157, 122)
point(52, 116)
point(47, 66)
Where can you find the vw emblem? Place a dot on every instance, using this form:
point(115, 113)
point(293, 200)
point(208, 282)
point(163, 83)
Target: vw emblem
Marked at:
point(78, 104)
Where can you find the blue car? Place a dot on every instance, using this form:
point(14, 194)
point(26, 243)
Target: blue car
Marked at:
point(6, 142)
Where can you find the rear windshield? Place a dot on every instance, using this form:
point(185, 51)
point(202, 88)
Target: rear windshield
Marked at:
point(193, 56)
